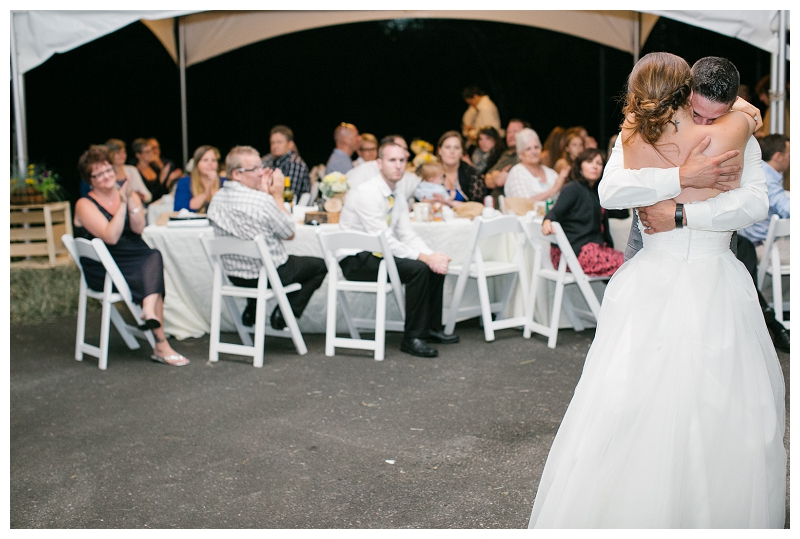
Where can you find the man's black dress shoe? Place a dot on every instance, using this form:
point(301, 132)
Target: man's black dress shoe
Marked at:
point(248, 317)
point(417, 347)
point(276, 319)
point(441, 338)
point(780, 336)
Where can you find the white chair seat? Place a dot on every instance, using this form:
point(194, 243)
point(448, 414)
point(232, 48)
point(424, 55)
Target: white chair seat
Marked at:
point(97, 250)
point(491, 268)
point(224, 290)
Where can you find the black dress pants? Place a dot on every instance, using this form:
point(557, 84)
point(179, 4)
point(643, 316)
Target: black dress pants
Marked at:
point(424, 290)
point(308, 271)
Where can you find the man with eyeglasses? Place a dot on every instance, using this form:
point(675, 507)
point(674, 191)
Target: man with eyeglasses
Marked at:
point(251, 203)
point(347, 141)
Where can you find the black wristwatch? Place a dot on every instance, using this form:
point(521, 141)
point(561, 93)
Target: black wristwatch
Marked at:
point(679, 215)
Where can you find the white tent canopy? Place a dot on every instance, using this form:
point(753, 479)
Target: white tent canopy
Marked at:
point(37, 35)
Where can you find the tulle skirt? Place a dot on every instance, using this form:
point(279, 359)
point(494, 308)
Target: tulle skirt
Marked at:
point(678, 418)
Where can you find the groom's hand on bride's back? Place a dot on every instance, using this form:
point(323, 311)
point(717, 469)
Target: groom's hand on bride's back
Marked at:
point(704, 171)
point(660, 217)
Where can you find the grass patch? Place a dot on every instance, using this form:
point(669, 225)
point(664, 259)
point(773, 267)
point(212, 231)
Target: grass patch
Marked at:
point(38, 294)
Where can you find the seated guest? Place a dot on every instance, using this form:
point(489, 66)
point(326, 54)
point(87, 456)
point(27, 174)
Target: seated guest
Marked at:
point(490, 147)
point(368, 151)
point(115, 215)
point(251, 203)
point(572, 147)
point(370, 169)
point(584, 221)
point(431, 188)
point(551, 148)
point(347, 141)
point(530, 178)
point(775, 163)
point(118, 156)
point(375, 206)
point(152, 180)
point(195, 191)
point(164, 167)
point(495, 177)
point(283, 155)
point(461, 179)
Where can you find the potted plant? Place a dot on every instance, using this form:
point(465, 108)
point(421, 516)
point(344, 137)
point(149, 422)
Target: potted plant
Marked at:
point(36, 185)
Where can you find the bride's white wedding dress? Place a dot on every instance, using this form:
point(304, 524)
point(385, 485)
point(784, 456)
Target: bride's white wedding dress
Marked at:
point(678, 418)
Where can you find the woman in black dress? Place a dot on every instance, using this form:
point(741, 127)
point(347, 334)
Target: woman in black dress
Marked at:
point(460, 177)
point(116, 216)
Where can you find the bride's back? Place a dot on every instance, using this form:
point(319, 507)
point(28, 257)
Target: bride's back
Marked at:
point(658, 130)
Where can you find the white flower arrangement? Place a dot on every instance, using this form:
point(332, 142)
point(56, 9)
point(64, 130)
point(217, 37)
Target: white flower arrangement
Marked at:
point(334, 183)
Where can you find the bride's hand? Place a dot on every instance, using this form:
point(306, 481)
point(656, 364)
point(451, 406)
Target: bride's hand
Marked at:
point(660, 217)
point(751, 110)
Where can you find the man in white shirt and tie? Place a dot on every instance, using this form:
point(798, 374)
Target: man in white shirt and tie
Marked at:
point(375, 206)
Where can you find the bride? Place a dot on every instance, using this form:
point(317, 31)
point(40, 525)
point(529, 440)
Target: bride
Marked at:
point(678, 418)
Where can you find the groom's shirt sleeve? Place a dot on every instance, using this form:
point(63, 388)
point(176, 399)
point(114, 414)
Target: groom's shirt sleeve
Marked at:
point(732, 210)
point(626, 188)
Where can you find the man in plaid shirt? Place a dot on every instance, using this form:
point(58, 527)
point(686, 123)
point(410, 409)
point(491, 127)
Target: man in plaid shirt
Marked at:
point(283, 155)
point(251, 203)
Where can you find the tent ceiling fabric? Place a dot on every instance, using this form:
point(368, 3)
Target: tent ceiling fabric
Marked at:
point(41, 34)
point(209, 34)
point(759, 28)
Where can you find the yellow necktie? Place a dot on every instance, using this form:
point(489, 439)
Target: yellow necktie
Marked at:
point(390, 204)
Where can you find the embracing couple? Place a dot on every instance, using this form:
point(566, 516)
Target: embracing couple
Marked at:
point(678, 418)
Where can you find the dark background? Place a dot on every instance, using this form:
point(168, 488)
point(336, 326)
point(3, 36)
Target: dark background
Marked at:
point(400, 76)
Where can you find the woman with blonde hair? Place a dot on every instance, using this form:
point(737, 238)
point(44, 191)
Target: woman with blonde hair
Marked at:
point(678, 418)
point(195, 191)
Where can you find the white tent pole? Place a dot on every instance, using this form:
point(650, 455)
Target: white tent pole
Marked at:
point(19, 103)
point(780, 95)
point(182, 62)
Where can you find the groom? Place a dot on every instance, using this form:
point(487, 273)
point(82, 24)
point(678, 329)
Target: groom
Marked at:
point(715, 83)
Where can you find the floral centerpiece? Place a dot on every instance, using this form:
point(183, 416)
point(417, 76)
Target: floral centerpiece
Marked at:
point(333, 184)
point(36, 185)
point(423, 153)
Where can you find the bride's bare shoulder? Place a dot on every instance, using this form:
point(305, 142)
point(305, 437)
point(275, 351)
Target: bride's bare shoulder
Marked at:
point(731, 130)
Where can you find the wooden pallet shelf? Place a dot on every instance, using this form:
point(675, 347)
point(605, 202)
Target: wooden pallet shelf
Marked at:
point(36, 231)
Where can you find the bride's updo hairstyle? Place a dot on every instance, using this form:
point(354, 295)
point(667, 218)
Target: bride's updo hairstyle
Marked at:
point(659, 85)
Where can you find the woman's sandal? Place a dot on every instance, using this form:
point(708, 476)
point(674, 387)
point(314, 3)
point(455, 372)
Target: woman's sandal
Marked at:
point(175, 360)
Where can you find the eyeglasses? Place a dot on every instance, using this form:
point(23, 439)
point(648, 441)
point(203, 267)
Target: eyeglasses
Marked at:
point(257, 167)
point(105, 171)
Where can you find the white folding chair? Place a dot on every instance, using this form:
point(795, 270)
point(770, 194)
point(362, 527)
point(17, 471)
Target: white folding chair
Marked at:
point(543, 270)
point(388, 282)
point(223, 289)
point(475, 267)
point(770, 263)
point(96, 250)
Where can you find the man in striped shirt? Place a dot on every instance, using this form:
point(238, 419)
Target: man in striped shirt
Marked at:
point(251, 203)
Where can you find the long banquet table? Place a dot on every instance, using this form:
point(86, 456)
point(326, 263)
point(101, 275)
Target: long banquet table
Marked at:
point(188, 275)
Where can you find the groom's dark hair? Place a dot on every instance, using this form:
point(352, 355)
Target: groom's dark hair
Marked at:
point(716, 79)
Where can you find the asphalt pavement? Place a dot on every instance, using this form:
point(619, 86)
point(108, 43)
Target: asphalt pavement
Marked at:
point(310, 441)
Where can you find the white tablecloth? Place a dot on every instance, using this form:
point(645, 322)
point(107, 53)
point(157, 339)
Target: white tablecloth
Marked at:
point(187, 274)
